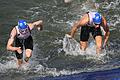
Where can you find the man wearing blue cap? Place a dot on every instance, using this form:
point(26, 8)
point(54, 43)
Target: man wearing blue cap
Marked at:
point(21, 34)
point(91, 22)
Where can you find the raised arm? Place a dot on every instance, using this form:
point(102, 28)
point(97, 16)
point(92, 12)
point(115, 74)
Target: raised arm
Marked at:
point(38, 24)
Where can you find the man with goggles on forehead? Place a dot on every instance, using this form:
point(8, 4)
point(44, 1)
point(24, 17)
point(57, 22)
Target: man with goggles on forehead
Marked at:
point(21, 34)
point(91, 23)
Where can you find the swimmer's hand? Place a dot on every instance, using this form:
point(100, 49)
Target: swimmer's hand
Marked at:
point(39, 28)
point(69, 36)
point(19, 50)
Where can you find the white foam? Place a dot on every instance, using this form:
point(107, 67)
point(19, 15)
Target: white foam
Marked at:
point(8, 65)
point(112, 5)
point(72, 47)
point(54, 72)
point(57, 41)
point(39, 68)
point(67, 1)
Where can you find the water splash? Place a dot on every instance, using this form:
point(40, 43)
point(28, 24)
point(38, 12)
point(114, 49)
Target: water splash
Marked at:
point(72, 47)
point(8, 65)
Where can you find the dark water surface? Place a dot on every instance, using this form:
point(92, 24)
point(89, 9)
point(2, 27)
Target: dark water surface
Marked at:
point(48, 58)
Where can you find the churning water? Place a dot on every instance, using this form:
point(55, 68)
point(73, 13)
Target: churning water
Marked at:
point(54, 53)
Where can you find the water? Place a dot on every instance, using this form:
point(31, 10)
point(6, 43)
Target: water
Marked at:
point(49, 55)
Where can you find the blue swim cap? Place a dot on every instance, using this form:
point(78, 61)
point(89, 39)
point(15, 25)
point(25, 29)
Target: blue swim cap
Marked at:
point(97, 18)
point(22, 24)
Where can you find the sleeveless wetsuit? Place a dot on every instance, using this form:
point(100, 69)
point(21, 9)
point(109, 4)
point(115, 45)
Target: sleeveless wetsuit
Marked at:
point(90, 28)
point(23, 40)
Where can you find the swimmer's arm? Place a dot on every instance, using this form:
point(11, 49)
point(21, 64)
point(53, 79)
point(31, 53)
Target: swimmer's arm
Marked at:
point(106, 37)
point(104, 24)
point(38, 24)
point(106, 29)
point(11, 40)
point(83, 21)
